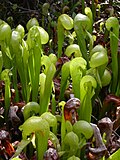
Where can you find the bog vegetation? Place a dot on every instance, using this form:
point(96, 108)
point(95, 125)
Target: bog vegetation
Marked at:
point(59, 80)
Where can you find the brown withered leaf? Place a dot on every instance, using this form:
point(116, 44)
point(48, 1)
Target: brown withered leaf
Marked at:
point(106, 126)
point(100, 149)
point(5, 146)
point(70, 110)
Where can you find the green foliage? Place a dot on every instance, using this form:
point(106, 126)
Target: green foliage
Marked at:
point(5, 76)
point(115, 156)
point(23, 60)
point(64, 22)
point(112, 25)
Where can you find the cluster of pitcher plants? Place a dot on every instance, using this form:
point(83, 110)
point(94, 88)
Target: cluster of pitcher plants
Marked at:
point(58, 95)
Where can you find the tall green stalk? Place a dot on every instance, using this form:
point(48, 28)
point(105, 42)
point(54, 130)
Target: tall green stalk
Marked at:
point(87, 90)
point(19, 52)
point(5, 34)
point(25, 73)
point(93, 9)
point(5, 77)
point(22, 63)
point(16, 54)
point(98, 62)
point(64, 23)
point(77, 71)
point(83, 6)
point(36, 37)
point(48, 88)
point(34, 62)
point(64, 78)
point(81, 24)
point(76, 68)
point(89, 13)
point(112, 25)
